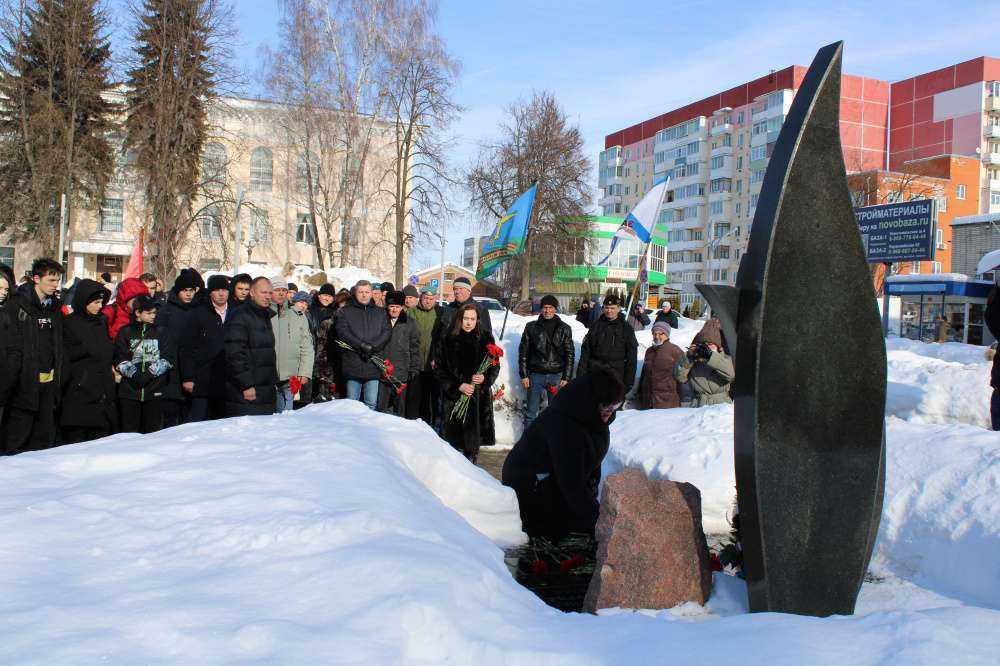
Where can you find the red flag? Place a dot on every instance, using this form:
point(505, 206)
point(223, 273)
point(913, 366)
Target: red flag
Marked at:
point(134, 269)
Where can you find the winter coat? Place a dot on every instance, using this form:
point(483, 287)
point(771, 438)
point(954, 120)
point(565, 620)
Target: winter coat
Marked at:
point(992, 318)
point(89, 391)
point(460, 358)
point(544, 353)
point(709, 379)
point(669, 317)
point(324, 365)
point(426, 322)
point(146, 358)
point(447, 318)
point(318, 313)
point(177, 317)
point(565, 445)
point(583, 315)
point(293, 344)
point(36, 332)
point(612, 345)
point(208, 351)
point(366, 330)
point(250, 360)
point(403, 348)
point(10, 354)
point(638, 320)
point(117, 314)
point(657, 387)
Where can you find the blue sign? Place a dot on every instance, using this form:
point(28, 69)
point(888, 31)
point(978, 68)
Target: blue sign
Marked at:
point(435, 283)
point(414, 280)
point(897, 232)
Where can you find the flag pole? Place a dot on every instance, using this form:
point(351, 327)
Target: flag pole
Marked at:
point(645, 251)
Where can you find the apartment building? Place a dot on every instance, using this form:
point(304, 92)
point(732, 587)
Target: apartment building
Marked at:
point(716, 151)
point(250, 152)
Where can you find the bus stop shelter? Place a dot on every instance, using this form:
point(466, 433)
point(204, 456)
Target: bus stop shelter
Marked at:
point(925, 298)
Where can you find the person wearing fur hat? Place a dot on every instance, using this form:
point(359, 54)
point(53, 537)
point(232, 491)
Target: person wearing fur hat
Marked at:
point(545, 356)
point(176, 317)
point(89, 395)
point(208, 351)
point(146, 359)
point(403, 350)
point(610, 343)
point(706, 368)
point(657, 386)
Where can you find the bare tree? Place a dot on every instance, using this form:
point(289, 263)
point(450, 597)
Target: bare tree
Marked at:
point(537, 144)
point(420, 106)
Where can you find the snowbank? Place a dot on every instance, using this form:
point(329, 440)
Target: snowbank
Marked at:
point(334, 535)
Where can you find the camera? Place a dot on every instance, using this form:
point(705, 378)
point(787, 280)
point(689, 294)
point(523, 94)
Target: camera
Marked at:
point(702, 352)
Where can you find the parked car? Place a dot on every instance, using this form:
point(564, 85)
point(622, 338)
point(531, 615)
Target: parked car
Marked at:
point(491, 304)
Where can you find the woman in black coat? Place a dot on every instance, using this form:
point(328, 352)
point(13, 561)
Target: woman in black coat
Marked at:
point(89, 403)
point(555, 468)
point(462, 350)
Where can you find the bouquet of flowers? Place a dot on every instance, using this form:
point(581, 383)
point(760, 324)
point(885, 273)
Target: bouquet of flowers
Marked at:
point(493, 356)
point(384, 364)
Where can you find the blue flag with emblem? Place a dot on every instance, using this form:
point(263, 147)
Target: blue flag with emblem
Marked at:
point(507, 240)
point(639, 223)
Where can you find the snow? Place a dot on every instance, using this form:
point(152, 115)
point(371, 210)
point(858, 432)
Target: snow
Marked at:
point(932, 277)
point(989, 262)
point(336, 535)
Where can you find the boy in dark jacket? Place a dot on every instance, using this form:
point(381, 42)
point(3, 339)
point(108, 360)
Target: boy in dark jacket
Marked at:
point(89, 408)
point(403, 350)
point(146, 358)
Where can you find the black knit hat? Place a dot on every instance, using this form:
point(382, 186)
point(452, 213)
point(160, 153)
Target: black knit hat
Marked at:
point(328, 290)
point(410, 290)
point(187, 279)
point(549, 299)
point(145, 303)
point(387, 287)
point(395, 298)
point(218, 282)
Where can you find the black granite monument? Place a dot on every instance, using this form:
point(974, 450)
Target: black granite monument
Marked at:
point(805, 331)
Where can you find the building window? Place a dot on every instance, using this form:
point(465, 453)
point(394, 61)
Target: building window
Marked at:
point(758, 153)
point(112, 216)
point(756, 176)
point(7, 257)
point(658, 254)
point(936, 266)
point(715, 208)
point(304, 230)
point(718, 162)
point(754, 198)
point(739, 118)
point(995, 198)
point(914, 267)
point(258, 226)
point(739, 163)
point(213, 164)
point(960, 192)
point(261, 170)
point(209, 225)
point(942, 203)
point(305, 167)
point(739, 204)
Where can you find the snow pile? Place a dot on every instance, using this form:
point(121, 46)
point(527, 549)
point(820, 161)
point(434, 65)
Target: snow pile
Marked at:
point(334, 535)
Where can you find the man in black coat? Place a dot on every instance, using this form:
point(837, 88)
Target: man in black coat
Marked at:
point(177, 317)
point(555, 468)
point(208, 397)
point(89, 404)
point(364, 328)
point(545, 355)
point(36, 357)
point(251, 363)
point(667, 314)
point(610, 343)
point(403, 350)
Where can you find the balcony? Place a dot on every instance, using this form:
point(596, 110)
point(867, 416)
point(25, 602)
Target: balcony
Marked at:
point(724, 171)
point(722, 128)
point(993, 104)
point(991, 159)
point(722, 150)
point(992, 132)
point(720, 196)
point(609, 200)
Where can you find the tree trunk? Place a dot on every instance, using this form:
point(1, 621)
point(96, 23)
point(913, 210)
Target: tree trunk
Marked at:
point(526, 267)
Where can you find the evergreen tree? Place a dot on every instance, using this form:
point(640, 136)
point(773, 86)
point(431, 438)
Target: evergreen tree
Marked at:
point(170, 89)
point(56, 114)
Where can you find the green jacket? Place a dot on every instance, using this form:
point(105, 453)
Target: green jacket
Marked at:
point(293, 344)
point(709, 380)
point(425, 320)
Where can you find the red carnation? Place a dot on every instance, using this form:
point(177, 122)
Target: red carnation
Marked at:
point(495, 361)
point(566, 566)
point(716, 562)
point(552, 389)
point(399, 391)
point(494, 351)
point(539, 568)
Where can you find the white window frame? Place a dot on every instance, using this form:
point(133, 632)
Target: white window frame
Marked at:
point(114, 223)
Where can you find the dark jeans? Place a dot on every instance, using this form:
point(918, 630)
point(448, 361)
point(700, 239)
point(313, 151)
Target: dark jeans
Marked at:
point(995, 409)
point(28, 430)
point(422, 398)
point(206, 409)
point(144, 417)
point(174, 412)
point(539, 386)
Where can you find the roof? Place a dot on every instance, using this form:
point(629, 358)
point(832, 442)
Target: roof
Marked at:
point(992, 218)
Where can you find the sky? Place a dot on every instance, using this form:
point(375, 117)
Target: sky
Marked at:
point(614, 64)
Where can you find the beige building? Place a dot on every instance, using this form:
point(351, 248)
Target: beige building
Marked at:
point(252, 156)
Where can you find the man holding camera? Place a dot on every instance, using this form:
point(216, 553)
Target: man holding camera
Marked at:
point(705, 368)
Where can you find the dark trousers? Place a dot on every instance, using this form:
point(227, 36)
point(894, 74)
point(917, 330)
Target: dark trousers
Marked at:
point(206, 409)
point(175, 412)
point(78, 434)
point(144, 417)
point(389, 402)
point(422, 398)
point(29, 430)
point(995, 409)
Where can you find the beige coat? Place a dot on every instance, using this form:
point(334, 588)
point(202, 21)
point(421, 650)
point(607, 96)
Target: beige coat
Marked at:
point(709, 380)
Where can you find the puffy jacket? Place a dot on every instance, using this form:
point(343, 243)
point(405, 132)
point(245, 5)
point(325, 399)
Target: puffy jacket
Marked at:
point(208, 352)
point(610, 344)
point(177, 317)
point(250, 359)
point(403, 348)
point(657, 387)
point(546, 353)
point(638, 320)
point(366, 330)
point(146, 358)
point(89, 392)
point(118, 314)
point(36, 332)
point(709, 379)
point(293, 343)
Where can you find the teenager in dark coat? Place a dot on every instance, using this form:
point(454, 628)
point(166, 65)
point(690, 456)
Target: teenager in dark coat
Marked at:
point(462, 350)
point(251, 362)
point(177, 317)
point(208, 351)
point(555, 468)
point(403, 350)
point(36, 358)
point(89, 406)
point(146, 358)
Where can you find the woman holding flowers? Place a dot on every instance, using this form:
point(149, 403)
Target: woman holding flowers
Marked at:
point(468, 364)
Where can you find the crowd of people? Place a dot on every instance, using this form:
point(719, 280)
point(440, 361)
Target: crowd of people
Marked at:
point(97, 358)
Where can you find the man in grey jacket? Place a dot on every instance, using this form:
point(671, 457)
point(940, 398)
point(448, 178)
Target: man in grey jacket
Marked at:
point(293, 346)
